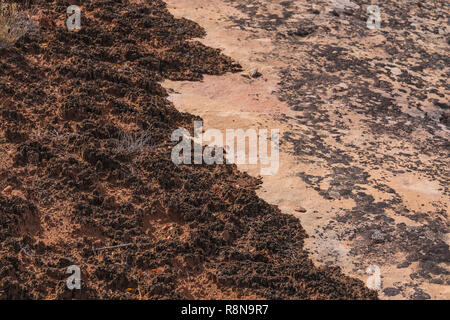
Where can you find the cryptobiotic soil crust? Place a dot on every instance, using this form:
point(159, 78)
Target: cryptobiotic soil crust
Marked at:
point(363, 115)
point(86, 176)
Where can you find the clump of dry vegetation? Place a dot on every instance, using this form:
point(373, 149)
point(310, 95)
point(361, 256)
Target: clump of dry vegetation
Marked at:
point(15, 22)
point(133, 142)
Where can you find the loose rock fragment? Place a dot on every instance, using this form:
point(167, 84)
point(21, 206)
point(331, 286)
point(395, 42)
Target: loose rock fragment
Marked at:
point(226, 236)
point(342, 86)
point(254, 73)
point(334, 195)
point(344, 6)
point(396, 71)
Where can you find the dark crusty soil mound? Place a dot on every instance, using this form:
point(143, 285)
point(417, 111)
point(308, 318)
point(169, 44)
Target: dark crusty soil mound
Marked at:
point(85, 167)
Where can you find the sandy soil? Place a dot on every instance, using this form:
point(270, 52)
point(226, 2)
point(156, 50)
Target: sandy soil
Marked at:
point(364, 119)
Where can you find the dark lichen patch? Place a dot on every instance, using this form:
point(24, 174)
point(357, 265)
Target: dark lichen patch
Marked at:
point(138, 226)
point(391, 86)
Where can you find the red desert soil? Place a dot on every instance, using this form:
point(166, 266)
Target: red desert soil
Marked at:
point(78, 173)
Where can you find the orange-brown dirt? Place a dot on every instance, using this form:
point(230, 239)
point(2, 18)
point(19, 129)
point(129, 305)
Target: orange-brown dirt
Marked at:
point(78, 179)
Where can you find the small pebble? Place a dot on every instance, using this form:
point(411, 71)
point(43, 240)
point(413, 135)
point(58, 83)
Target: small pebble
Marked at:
point(226, 236)
point(342, 86)
point(334, 194)
point(254, 73)
point(396, 71)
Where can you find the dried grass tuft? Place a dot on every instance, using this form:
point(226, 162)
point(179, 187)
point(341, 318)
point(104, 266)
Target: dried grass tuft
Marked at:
point(131, 143)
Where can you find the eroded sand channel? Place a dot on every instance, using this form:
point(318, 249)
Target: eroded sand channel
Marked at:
point(364, 128)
